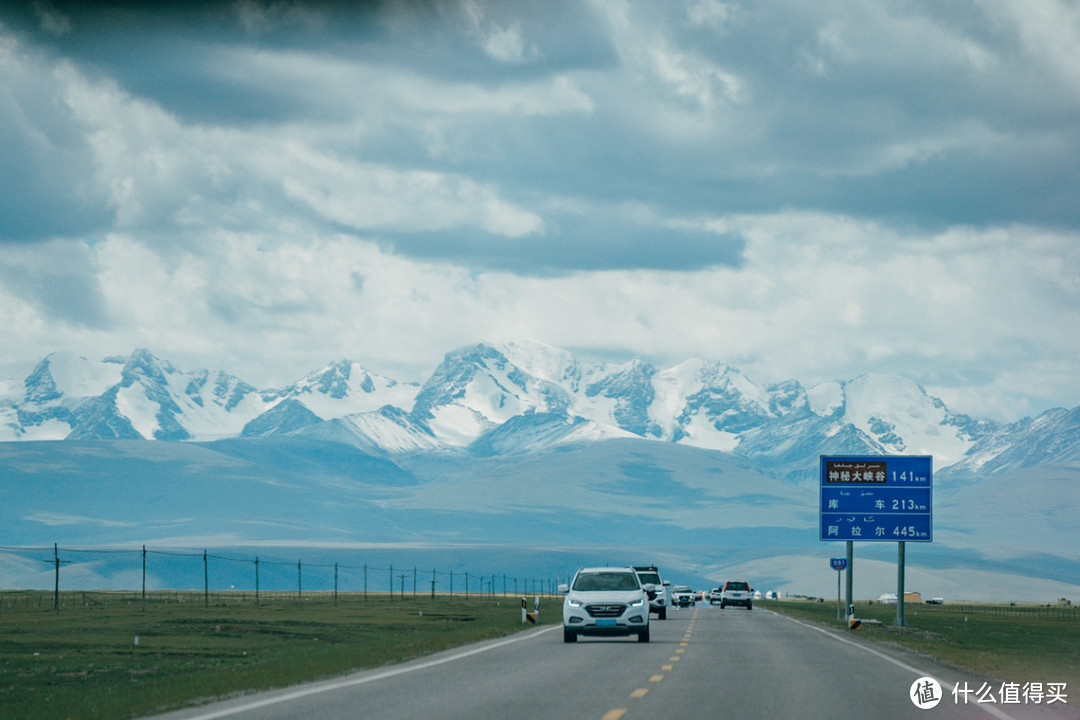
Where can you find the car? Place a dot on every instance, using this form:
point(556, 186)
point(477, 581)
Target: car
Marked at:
point(606, 601)
point(714, 595)
point(660, 597)
point(683, 596)
point(737, 592)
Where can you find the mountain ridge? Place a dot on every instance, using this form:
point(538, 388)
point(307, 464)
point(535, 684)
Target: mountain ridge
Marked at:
point(520, 396)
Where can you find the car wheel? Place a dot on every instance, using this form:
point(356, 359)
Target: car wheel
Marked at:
point(749, 606)
point(722, 606)
point(663, 613)
point(569, 636)
point(643, 635)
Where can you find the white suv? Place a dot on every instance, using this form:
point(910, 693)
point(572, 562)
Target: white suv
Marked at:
point(605, 601)
point(660, 595)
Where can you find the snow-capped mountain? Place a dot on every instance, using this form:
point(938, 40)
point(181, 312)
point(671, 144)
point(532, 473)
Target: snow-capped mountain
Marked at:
point(517, 397)
point(1054, 436)
point(343, 388)
point(142, 396)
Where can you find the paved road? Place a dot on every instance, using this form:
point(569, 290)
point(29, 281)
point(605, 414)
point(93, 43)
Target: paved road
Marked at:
point(702, 662)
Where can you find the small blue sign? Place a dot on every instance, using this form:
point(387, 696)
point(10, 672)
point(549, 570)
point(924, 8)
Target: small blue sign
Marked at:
point(838, 564)
point(878, 498)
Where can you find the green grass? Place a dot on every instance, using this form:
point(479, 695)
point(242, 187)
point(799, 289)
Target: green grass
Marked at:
point(83, 662)
point(1001, 641)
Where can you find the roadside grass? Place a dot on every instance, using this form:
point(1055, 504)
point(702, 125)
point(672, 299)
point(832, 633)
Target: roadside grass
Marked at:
point(1001, 641)
point(84, 661)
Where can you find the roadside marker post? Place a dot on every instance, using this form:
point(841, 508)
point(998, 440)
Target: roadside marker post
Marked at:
point(526, 616)
point(838, 564)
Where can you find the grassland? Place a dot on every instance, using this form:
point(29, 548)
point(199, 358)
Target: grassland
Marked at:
point(85, 661)
point(1011, 643)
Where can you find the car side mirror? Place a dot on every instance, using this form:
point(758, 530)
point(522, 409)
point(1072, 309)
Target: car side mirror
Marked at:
point(666, 583)
point(564, 588)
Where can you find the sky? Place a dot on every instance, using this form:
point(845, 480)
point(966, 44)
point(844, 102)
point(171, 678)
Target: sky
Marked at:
point(804, 190)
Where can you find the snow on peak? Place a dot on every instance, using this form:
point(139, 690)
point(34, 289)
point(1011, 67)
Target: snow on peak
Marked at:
point(903, 418)
point(72, 376)
point(343, 388)
point(543, 361)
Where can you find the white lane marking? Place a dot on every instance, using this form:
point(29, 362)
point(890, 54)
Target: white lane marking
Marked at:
point(392, 672)
point(918, 673)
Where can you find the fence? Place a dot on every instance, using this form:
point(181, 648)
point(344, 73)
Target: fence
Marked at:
point(1063, 612)
point(358, 579)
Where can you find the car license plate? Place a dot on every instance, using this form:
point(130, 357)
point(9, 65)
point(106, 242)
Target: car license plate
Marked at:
point(605, 622)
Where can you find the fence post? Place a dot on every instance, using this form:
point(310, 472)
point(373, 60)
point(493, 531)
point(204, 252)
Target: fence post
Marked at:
point(335, 584)
point(299, 583)
point(365, 582)
point(56, 592)
point(391, 583)
point(256, 581)
point(206, 581)
point(144, 578)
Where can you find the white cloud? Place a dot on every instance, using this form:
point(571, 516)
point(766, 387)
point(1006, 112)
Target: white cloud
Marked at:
point(1049, 31)
point(369, 196)
point(503, 43)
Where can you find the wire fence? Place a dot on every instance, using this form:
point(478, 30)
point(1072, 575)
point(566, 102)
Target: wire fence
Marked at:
point(247, 578)
point(1060, 611)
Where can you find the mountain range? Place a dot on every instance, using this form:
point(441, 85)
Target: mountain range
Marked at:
point(519, 397)
point(521, 445)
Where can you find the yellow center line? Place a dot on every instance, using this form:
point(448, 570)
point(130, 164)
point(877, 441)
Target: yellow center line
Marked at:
point(656, 678)
point(614, 714)
point(667, 667)
point(640, 693)
point(680, 650)
point(674, 658)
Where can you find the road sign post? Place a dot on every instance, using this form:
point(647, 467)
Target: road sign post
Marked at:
point(877, 498)
point(900, 561)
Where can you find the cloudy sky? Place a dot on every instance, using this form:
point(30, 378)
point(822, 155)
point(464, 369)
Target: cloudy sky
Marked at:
point(805, 190)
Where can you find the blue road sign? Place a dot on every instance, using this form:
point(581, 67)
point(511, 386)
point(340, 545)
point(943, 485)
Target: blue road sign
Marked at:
point(877, 498)
point(838, 564)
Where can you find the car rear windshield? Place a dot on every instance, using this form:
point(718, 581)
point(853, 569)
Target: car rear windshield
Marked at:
point(649, 577)
point(736, 586)
point(606, 581)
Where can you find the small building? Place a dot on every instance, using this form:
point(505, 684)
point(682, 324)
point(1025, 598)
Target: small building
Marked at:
point(912, 597)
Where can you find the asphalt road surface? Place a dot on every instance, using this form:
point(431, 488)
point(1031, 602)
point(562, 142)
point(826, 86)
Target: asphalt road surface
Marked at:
point(701, 662)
